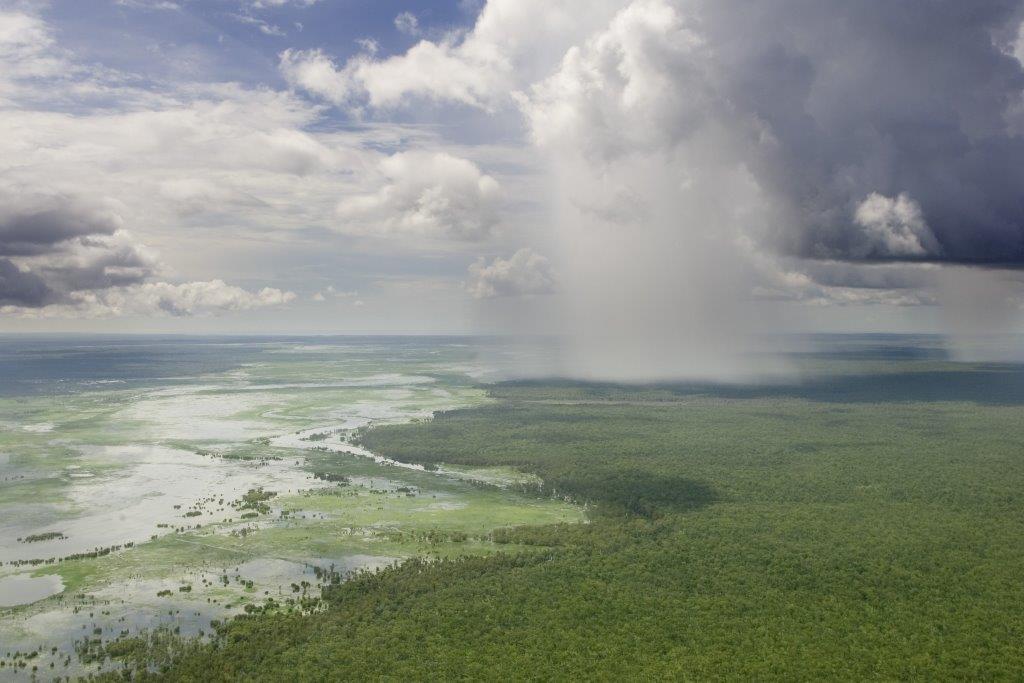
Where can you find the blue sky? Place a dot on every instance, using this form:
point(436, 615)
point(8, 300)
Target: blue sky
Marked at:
point(656, 174)
point(237, 41)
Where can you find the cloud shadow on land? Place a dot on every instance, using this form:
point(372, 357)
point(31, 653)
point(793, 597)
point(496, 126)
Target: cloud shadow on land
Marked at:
point(986, 385)
point(651, 494)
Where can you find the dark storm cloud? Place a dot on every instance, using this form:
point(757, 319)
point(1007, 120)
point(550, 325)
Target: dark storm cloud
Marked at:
point(52, 246)
point(113, 267)
point(40, 228)
point(19, 288)
point(912, 106)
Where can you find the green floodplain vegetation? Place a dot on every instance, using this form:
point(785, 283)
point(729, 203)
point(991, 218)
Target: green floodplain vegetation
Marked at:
point(224, 551)
point(857, 526)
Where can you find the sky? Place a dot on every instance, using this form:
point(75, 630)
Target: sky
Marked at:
point(642, 175)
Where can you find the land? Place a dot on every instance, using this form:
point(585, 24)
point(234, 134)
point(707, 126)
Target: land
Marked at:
point(313, 521)
point(157, 510)
point(866, 525)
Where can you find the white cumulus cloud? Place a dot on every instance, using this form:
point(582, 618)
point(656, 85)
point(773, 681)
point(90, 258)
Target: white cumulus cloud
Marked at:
point(513, 43)
point(637, 85)
point(524, 273)
point(894, 227)
point(426, 194)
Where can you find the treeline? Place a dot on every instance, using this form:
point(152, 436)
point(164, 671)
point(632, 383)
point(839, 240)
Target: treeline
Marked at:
point(45, 536)
point(593, 465)
point(88, 555)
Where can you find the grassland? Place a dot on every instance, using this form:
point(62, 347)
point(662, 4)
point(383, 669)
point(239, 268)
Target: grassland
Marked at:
point(861, 527)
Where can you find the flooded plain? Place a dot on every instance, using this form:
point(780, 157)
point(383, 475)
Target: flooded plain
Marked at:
point(172, 483)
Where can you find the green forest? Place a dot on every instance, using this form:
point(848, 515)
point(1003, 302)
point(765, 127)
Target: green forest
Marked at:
point(730, 536)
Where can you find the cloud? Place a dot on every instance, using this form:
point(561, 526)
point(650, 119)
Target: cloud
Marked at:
point(432, 195)
point(777, 283)
point(27, 50)
point(428, 70)
point(263, 4)
point(407, 23)
point(819, 131)
point(98, 172)
point(835, 102)
point(330, 292)
point(271, 30)
point(192, 298)
point(524, 273)
point(264, 27)
point(512, 43)
point(845, 171)
point(98, 263)
point(53, 245)
point(650, 202)
point(22, 288)
point(857, 275)
point(67, 256)
point(165, 5)
point(38, 224)
point(834, 137)
point(208, 298)
point(837, 283)
point(824, 105)
point(894, 227)
point(201, 158)
point(315, 71)
point(638, 85)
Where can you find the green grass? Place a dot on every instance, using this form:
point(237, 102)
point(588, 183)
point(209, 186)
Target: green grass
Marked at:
point(753, 537)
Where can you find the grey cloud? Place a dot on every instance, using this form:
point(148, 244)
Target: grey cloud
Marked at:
point(852, 100)
point(70, 258)
point(20, 288)
point(114, 266)
point(40, 229)
point(51, 246)
point(867, 276)
point(840, 283)
point(875, 130)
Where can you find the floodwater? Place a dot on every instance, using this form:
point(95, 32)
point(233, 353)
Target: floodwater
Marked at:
point(109, 445)
point(112, 465)
point(24, 589)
